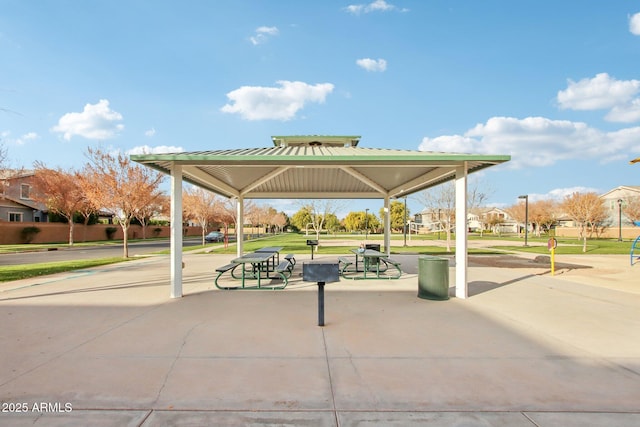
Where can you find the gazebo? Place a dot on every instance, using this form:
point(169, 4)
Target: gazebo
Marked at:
point(317, 167)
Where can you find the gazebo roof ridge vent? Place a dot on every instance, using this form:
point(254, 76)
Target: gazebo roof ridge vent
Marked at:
point(316, 140)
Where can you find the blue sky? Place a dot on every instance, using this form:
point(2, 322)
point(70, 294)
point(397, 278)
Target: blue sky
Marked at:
point(554, 84)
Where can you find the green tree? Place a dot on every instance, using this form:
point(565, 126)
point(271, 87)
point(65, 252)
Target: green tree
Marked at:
point(354, 221)
point(397, 215)
point(331, 222)
point(301, 218)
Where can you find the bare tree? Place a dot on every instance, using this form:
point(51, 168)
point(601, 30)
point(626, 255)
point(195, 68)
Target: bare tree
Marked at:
point(587, 210)
point(319, 210)
point(144, 213)
point(279, 220)
point(631, 209)
point(477, 197)
point(199, 206)
point(542, 214)
point(3, 155)
point(443, 199)
point(226, 212)
point(60, 192)
point(113, 182)
point(495, 223)
point(518, 212)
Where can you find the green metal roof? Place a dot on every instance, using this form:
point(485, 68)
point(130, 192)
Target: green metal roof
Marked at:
point(328, 170)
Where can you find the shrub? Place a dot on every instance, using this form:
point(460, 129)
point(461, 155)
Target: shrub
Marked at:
point(111, 231)
point(29, 233)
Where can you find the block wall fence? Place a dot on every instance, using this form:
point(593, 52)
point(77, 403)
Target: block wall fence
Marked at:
point(10, 232)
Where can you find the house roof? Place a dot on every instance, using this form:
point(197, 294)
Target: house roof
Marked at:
point(317, 167)
point(27, 204)
point(623, 190)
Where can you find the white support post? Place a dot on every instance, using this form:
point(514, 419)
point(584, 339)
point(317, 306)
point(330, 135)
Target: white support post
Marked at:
point(387, 225)
point(462, 290)
point(240, 226)
point(176, 231)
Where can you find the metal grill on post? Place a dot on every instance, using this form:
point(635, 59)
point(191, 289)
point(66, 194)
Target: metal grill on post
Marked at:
point(321, 273)
point(312, 244)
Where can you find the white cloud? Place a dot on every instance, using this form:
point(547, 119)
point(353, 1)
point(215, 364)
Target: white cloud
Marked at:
point(600, 92)
point(560, 193)
point(634, 24)
point(275, 103)
point(30, 136)
point(96, 121)
point(160, 149)
point(375, 6)
point(150, 132)
point(262, 35)
point(372, 65)
point(538, 141)
point(625, 113)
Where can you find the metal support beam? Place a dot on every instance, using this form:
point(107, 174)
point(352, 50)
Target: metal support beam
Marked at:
point(374, 185)
point(264, 179)
point(212, 184)
point(240, 226)
point(462, 290)
point(387, 225)
point(176, 231)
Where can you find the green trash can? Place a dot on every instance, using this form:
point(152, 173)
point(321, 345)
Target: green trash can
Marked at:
point(433, 278)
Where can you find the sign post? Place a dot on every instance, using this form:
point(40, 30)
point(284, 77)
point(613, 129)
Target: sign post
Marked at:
point(552, 244)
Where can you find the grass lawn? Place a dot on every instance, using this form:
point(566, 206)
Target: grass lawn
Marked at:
point(297, 244)
point(573, 246)
point(52, 246)
point(24, 271)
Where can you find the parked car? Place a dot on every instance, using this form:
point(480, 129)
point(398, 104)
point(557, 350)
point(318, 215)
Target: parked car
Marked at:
point(214, 236)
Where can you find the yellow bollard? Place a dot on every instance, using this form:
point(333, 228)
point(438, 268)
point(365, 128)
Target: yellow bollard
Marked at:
point(551, 245)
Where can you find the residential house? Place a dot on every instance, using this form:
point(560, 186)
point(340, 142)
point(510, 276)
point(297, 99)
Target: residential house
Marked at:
point(615, 201)
point(432, 220)
point(16, 204)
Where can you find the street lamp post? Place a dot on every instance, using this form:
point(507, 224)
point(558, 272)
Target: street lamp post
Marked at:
point(526, 217)
point(366, 224)
point(619, 220)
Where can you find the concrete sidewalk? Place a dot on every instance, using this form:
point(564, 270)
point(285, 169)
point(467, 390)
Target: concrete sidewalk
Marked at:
point(107, 346)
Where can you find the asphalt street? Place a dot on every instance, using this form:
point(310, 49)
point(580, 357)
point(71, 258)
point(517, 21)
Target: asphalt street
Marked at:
point(89, 252)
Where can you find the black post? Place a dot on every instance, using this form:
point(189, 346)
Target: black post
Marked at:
point(526, 217)
point(320, 303)
point(366, 224)
point(526, 220)
point(619, 220)
point(311, 251)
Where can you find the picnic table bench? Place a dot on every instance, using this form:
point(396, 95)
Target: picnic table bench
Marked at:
point(258, 266)
point(373, 261)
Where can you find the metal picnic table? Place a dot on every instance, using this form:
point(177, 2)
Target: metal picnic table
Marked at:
point(272, 249)
point(257, 261)
point(369, 256)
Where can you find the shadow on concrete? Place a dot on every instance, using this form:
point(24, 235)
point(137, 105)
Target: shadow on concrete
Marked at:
point(479, 286)
point(385, 356)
